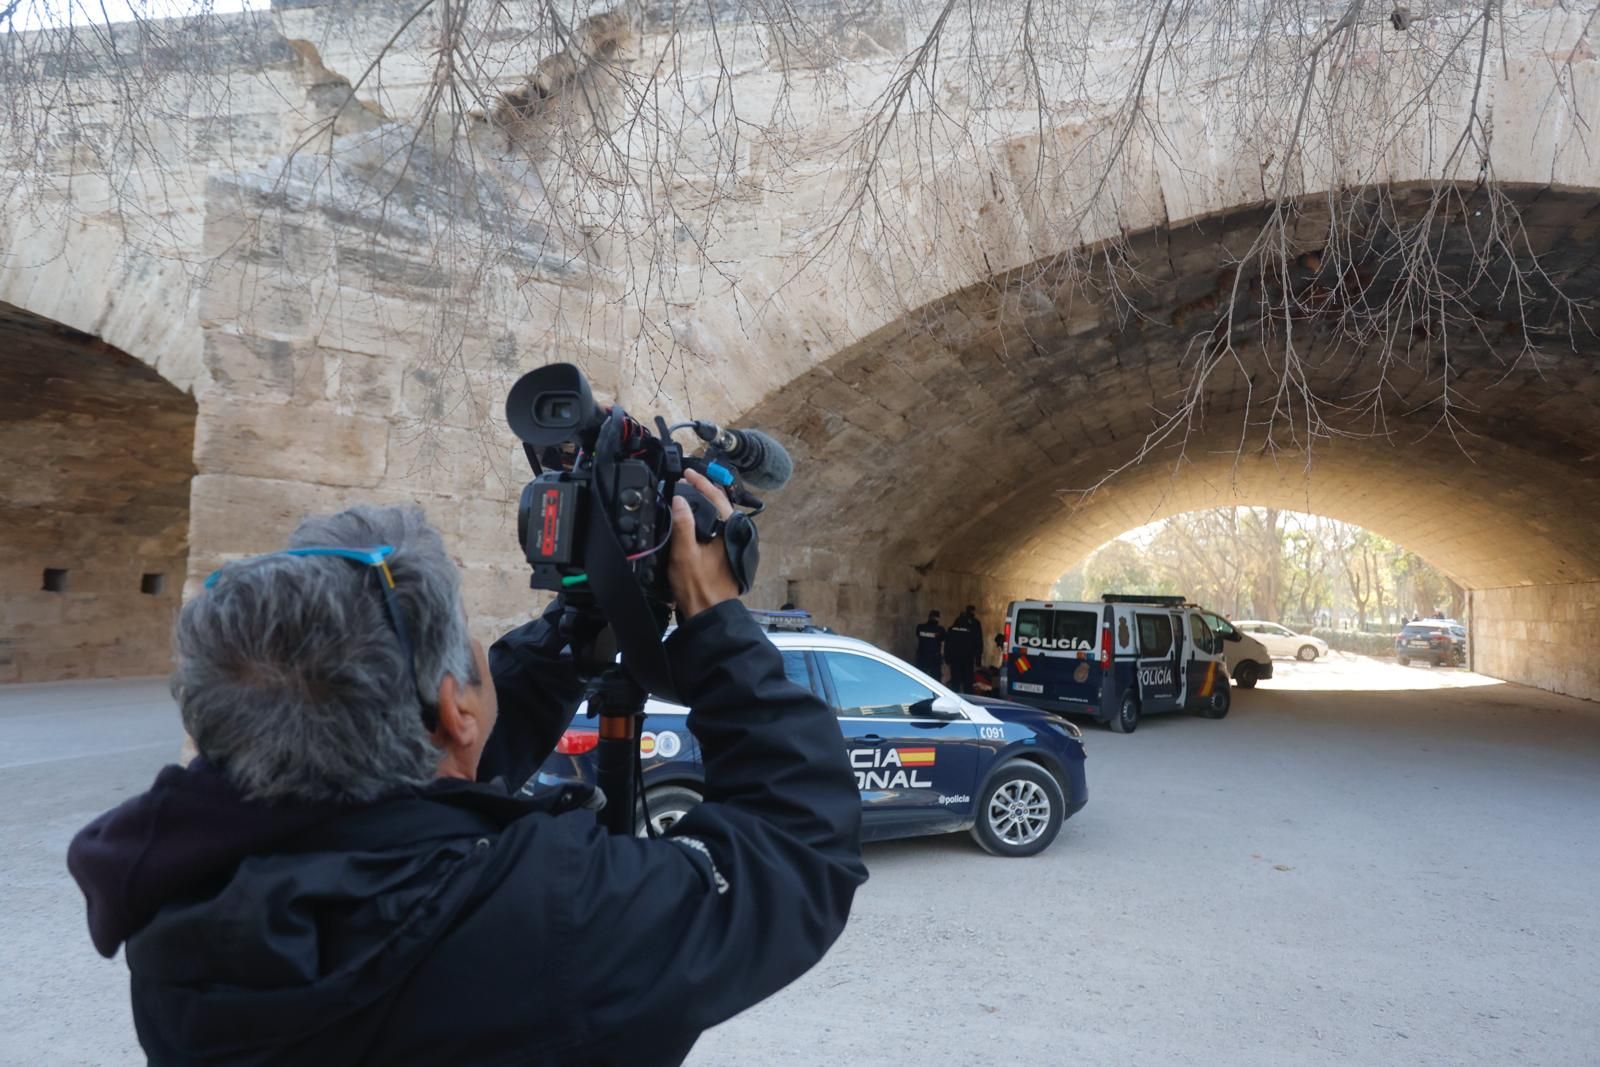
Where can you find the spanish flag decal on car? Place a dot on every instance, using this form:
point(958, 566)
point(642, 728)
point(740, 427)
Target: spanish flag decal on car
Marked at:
point(916, 757)
point(1023, 666)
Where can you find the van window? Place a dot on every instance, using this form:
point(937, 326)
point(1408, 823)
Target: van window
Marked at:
point(1204, 640)
point(1070, 631)
point(1155, 635)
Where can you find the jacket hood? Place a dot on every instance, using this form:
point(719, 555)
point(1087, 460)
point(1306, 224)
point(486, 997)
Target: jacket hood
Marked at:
point(250, 925)
point(189, 828)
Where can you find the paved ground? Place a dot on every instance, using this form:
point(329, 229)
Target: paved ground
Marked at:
point(1364, 864)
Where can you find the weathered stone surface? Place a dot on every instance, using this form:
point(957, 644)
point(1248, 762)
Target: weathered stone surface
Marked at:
point(346, 309)
point(297, 442)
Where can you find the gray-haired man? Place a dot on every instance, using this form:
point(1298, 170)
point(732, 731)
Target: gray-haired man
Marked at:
point(330, 883)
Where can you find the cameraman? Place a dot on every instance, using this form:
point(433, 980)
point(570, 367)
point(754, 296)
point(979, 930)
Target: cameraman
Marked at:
point(333, 881)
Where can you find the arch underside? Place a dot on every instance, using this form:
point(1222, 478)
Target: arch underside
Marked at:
point(961, 438)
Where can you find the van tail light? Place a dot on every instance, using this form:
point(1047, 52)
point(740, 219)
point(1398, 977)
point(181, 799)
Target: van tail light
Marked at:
point(577, 742)
point(1007, 635)
point(1105, 649)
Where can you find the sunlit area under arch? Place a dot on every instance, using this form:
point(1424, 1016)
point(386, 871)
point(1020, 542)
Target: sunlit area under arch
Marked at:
point(1334, 602)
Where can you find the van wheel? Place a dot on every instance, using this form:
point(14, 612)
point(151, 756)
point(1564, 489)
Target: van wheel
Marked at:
point(1307, 653)
point(1404, 661)
point(1126, 720)
point(667, 805)
point(1217, 704)
point(1020, 811)
point(1246, 676)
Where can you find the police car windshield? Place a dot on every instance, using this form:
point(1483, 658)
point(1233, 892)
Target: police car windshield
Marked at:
point(1043, 628)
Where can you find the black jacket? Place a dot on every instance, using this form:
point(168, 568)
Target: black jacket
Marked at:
point(963, 642)
point(462, 924)
point(930, 636)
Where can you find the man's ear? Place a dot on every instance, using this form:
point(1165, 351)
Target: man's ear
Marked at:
point(459, 721)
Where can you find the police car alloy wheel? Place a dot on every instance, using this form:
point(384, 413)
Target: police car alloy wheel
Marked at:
point(667, 805)
point(1020, 811)
point(1246, 677)
point(1126, 720)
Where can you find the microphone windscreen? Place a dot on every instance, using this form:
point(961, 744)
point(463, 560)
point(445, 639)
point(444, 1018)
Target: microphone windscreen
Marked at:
point(774, 467)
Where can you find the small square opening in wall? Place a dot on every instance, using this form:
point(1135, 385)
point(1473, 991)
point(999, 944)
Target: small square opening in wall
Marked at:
point(55, 580)
point(152, 584)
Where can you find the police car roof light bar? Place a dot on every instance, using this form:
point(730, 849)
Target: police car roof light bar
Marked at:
point(1134, 598)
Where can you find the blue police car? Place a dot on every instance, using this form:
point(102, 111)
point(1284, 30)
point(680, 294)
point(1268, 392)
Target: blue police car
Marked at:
point(926, 760)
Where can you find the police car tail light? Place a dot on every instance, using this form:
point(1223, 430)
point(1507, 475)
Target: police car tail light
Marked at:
point(577, 742)
point(1105, 649)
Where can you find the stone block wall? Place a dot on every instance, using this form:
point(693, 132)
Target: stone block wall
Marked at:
point(859, 596)
point(1541, 635)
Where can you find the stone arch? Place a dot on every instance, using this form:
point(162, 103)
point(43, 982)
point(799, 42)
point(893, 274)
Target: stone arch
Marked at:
point(94, 504)
point(934, 453)
point(92, 280)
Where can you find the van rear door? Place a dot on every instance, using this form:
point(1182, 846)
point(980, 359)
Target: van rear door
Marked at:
point(1054, 656)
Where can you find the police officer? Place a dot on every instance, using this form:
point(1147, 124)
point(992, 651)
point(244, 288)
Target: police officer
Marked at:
point(963, 646)
point(930, 639)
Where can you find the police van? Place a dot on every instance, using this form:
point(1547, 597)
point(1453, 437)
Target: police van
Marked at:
point(1118, 660)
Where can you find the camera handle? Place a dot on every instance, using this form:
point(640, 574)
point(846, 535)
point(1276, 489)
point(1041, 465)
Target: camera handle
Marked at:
point(619, 701)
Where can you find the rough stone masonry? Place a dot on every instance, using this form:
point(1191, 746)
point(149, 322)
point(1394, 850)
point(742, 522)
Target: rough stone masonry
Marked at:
point(282, 297)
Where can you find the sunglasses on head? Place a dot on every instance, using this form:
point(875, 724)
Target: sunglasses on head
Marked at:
point(377, 558)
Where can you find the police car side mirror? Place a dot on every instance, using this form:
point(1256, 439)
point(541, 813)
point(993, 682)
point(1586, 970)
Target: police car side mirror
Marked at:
point(943, 707)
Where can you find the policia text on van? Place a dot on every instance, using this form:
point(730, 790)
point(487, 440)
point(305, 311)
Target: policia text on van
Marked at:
point(1118, 660)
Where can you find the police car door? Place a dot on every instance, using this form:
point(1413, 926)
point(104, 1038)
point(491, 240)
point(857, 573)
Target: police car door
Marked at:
point(912, 764)
point(1160, 686)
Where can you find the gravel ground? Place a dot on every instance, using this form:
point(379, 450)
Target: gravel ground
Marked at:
point(1364, 864)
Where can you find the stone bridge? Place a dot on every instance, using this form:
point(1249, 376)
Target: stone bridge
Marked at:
point(287, 300)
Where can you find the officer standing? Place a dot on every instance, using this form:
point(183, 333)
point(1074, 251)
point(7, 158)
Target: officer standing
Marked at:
point(930, 639)
point(963, 645)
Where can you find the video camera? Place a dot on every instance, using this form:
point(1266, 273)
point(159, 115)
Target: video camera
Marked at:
point(595, 524)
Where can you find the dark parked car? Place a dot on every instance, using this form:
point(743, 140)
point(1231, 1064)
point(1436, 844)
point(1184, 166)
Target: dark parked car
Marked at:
point(1441, 642)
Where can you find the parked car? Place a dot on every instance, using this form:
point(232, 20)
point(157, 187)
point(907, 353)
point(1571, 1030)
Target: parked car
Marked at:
point(1117, 660)
point(1248, 659)
point(927, 760)
point(1438, 641)
point(1282, 641)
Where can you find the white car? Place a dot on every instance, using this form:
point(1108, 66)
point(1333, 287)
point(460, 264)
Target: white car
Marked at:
point(1248, 659)
point(1282, 641)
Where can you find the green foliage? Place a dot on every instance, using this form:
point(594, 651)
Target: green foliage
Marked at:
point(1120, 567)
point(1359, 642)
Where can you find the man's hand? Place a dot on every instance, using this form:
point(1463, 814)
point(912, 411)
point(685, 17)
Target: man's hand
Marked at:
point(699, 574)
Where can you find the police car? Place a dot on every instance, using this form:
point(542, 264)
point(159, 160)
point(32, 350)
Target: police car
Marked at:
point(1118, 660)
point(926, 760)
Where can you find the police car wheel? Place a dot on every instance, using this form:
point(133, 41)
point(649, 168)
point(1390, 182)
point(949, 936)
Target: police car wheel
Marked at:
point(1404, 661)
point(1126, 720)
point(1218, 703)
point(1019, 813)
point(667, 805)
point(1307, 653)
point(1246, 676)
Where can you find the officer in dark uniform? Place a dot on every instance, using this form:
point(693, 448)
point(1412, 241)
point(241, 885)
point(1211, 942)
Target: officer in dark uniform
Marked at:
point(930, 638)
point(963, 645)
